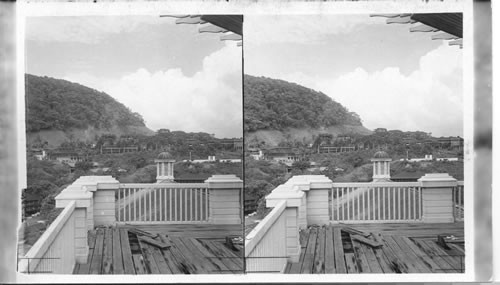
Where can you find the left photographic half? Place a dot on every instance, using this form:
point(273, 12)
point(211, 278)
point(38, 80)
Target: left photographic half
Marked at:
point(133, 136)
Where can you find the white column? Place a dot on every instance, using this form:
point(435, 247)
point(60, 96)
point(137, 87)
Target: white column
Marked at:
point(437, 197)
point(225, 199)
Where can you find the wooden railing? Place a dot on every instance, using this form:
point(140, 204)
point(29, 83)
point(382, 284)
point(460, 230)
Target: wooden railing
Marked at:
point(265, 246)
point(458, 201)
point(165, 203)
point(375, 202)
point(54, 252)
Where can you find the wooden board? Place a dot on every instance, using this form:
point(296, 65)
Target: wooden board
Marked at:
point(310, 250)
point(232, 261)
point(329, 253)
point(371, 259)
point(383, 261)
point(411, 256)
point(181, 262)
point(443, 265)
point(160, 260)
point(139, 265)
point(198, 265)
point(117, 253)
point(107, 261)
point(149, 261)
point(161, 245)
point(366, 241)
point(220, 267)
point(360, 257)
point(96, 265)
point(395, 262)
point(319, 255)
point(169, 258)
point(340, 264)
point(429, 263)
point(128, 262)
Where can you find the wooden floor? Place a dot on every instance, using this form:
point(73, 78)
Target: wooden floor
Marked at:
point(195, 249)
point(406, 248)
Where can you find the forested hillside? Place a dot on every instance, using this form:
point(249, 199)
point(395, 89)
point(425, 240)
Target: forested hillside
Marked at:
point(55, 104)
point(272, 104)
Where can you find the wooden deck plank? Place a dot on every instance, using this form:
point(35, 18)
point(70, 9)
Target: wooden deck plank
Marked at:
point(329, 253)
point(107, 261)
point(454, 262)
point(382, 259)
point(443, 265)
point(319, 255)
point(413, 257)
point(139, 264)
point(181, 262)
point(360, 257)
point(340, 264)
point(232, 261)
point(371, 259)
point(402, 255)
point(169, 258)
point(160, 260)
point(350, 255)
point(199, 265)
point(394, 260)
point(117, 253)
point(310, 250)
point(149, 260)
point(96, 265)
point(220, 267)
point(128, 262)
point(429, 263)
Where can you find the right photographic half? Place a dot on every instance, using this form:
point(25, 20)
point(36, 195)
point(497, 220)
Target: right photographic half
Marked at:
point(354, 143)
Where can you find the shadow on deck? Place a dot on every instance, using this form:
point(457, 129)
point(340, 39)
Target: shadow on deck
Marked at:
point(192, 249)
point(399, 248)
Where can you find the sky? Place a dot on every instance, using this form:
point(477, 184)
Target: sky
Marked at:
point(174, 76)
point(391, 77)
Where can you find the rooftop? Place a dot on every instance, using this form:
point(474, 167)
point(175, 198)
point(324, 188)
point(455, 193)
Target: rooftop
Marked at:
point(404, 248)
point(192, 249)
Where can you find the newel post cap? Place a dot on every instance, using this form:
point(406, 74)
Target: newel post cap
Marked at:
point(437, 180)
point(228, 181)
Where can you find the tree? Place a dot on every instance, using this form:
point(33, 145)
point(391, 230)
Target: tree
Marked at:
point(300, 165)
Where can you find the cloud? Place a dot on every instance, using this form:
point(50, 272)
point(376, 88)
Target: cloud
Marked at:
point(304, 29)
point(209, 101)
point(88, 30)
point(428, 99)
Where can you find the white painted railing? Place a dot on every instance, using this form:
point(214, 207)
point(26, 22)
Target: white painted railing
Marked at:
point(458, 201)
point(376, 202)
point(265, 246)
point(165, 203)
point(54, 252)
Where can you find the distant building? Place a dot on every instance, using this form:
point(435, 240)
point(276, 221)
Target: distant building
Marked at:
point(286, 155)
point(256, 153)
point(451, 142)
point(39, 154)
point(116, 149)
point(67, 157)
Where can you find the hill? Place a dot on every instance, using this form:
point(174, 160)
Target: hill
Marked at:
point(276, 108)
point(59, 110)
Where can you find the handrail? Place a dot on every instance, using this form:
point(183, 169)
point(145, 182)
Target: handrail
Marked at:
point(163, 185)
point(256, 235)
point(43, 244)
point(376, 184)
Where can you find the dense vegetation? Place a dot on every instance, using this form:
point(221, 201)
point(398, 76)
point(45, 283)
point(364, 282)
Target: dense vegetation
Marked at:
point(55, 104)
point(277, 104)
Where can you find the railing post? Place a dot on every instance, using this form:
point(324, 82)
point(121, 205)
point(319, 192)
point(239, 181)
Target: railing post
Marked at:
point(225, 199)
point(104, 189)
point(83, 202)
point(317, 189)
point(437, 198)
point(294, 203)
